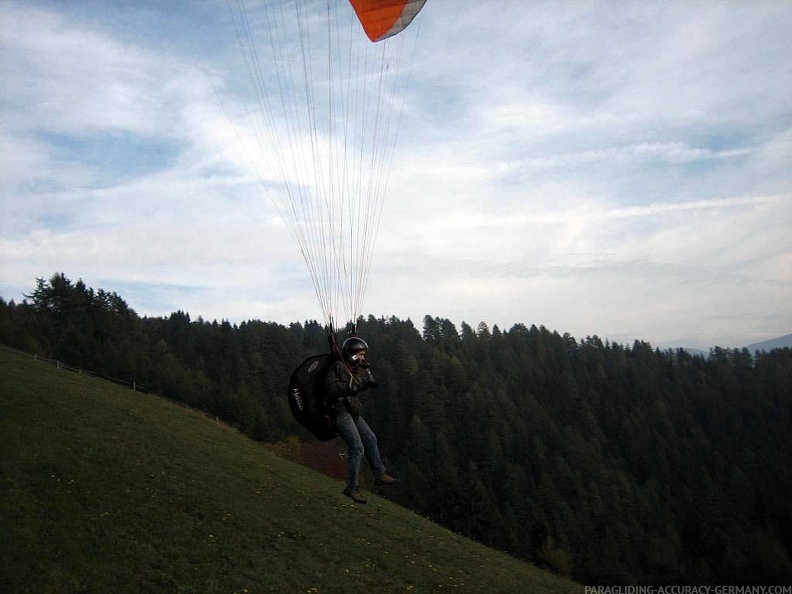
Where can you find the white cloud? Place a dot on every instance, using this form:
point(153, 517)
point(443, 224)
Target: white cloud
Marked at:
point(83, 80)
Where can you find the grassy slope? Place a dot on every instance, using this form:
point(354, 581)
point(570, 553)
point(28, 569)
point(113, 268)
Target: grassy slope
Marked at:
point(106, 490)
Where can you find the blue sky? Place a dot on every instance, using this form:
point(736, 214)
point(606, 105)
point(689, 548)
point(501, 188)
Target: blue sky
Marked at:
point(613, 168)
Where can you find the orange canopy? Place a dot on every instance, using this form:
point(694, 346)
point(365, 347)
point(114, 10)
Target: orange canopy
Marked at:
point(383, 18)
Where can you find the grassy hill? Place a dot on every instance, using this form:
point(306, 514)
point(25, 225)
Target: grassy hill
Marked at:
point(103, 489)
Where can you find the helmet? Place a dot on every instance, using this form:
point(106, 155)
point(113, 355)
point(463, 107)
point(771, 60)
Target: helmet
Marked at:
point(352, 346)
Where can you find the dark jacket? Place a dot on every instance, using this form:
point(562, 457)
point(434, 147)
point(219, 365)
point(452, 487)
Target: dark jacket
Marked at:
point(344, 384)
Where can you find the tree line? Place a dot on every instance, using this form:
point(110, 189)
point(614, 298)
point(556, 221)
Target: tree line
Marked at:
point(609, 463)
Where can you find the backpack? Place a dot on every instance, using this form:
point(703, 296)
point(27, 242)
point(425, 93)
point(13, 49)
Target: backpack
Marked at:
point(308, 397)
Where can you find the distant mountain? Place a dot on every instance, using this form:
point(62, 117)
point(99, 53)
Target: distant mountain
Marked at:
point(766, 345)
point(774, 343)
point(695, 352)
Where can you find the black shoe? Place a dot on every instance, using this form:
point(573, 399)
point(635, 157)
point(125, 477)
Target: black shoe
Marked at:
point(355, 494)
point(386, 479)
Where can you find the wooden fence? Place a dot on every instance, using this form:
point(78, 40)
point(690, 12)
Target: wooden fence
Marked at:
point(66, 367)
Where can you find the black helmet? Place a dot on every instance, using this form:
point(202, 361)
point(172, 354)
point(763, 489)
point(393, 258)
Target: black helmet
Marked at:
point(352, 346)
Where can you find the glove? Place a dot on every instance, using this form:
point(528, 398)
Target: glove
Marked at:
point(367, 380)
point(354, 406)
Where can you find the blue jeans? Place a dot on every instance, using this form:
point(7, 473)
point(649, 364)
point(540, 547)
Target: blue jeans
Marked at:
point(359, 439)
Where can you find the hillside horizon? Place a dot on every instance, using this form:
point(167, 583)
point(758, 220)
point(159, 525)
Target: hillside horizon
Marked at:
point(781, 341)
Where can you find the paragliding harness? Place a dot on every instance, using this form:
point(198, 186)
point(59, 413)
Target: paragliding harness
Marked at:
point(308, 398)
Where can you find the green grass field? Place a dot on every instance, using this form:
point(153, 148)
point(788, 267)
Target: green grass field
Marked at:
point(103, 489)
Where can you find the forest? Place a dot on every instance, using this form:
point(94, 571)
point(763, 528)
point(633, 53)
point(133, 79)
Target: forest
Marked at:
point(612, 464)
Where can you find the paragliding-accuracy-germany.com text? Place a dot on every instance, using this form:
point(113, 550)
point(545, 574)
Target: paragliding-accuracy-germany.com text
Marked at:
point(688, 590)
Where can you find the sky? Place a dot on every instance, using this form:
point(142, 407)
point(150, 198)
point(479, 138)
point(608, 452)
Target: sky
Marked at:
point(620, 169)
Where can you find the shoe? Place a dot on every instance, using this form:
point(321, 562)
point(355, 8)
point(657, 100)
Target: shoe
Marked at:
point(355, 494)
point(386, 479)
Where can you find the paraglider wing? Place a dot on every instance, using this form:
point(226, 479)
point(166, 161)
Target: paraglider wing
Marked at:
point(383, 18)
